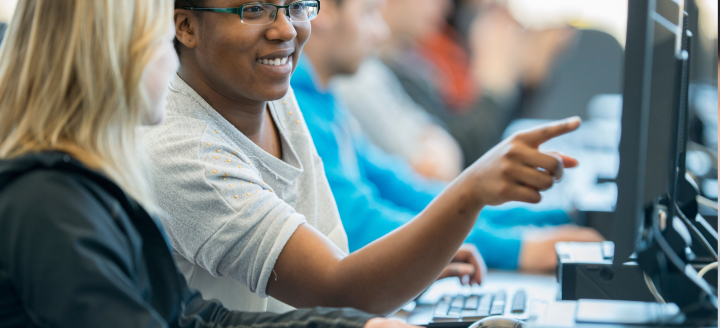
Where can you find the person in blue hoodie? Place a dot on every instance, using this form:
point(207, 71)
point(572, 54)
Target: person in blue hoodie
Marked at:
point(377, 192)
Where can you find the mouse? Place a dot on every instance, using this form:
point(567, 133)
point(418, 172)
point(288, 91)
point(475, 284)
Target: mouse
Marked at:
point(499, 322)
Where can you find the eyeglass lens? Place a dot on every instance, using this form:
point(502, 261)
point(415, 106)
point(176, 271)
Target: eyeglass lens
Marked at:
point(261, 14)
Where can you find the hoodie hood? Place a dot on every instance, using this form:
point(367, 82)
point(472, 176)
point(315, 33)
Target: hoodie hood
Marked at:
point(48, 160)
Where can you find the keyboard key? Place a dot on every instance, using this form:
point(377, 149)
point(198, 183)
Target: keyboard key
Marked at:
point(458, 302)
point(484, 312)
point(498, 304)
point(497, 309)
point(468, 313)
point(446, 318)
point(518, 305)
point(446, 300)
point(441, 310)
point(472, 302)
point(485, 301)
point(473, 318)
point(443, 306)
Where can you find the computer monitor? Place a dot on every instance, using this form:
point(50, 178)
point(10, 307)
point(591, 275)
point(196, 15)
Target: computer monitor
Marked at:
point(650, 122)
point(651, 149)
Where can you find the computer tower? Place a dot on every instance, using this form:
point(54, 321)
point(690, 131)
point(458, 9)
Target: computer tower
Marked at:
point(586, 271)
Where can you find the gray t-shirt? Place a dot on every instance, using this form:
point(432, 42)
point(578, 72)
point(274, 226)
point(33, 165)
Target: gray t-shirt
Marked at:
point(228, 206)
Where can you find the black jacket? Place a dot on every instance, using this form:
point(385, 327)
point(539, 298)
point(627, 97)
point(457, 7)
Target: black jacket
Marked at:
point(75, 251)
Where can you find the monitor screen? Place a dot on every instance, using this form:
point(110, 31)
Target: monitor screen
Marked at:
point(651, 109)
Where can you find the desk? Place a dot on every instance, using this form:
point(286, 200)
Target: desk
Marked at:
point(543, 309)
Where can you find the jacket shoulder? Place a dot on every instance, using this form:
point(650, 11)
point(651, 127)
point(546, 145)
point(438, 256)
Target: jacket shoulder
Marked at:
point(44, 194)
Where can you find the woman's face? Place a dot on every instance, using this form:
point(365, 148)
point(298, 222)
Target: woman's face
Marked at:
point(158, 74)
point(231, 54)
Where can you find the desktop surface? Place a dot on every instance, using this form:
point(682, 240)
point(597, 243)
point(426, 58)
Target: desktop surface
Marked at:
point(542, 308)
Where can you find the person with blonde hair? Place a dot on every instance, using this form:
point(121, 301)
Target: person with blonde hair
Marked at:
point(77, 249)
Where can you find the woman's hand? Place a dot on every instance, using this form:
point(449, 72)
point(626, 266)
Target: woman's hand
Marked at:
point(467, 263)
point(515, 170)
point(387, 323)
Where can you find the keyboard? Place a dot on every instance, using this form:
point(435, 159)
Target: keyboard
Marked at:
point(471, 308)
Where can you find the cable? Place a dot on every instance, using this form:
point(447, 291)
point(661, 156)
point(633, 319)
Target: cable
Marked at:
point(706, 202)
point(651, 286)
point(675, 260)
point(708, 268)
point(697, 233)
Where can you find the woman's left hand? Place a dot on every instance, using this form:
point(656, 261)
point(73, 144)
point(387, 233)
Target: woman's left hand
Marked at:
point(468, 265)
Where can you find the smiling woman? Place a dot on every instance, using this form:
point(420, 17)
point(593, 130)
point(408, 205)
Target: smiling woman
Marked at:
point(243, 192)
point(232, 94)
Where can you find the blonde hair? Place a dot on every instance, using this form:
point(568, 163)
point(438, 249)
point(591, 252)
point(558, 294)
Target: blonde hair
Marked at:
point(71, 79)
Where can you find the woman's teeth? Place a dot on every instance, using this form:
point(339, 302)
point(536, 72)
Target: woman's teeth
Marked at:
point(273, 62)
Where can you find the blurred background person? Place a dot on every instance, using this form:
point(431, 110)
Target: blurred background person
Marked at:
point(419, 31)
point(473, 81)
point(392, 120)
point(395, 123)
point(377, 192)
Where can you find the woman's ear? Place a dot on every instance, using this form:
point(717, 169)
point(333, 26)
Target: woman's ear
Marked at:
point(185, 25)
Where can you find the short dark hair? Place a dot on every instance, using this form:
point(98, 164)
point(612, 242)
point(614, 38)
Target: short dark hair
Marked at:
point(186, 3)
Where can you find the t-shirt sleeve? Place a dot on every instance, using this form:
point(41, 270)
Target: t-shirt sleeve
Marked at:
point(218, 212)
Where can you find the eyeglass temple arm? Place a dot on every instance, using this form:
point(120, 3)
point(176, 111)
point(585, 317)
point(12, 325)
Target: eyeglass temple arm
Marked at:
point(237, 10)
point(216, 10)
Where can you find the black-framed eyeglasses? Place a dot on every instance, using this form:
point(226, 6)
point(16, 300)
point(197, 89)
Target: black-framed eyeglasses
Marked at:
point(257, 13)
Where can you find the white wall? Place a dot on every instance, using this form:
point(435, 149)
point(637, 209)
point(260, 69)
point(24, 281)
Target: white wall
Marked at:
point(709, 17)
point(7, 7)
point(606, 15)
